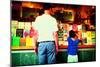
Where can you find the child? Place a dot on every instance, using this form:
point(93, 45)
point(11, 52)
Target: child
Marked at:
point(72, 46)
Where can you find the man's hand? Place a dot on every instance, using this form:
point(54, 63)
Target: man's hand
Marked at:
point(56, 49)
point(56, 41)
point(36, 49)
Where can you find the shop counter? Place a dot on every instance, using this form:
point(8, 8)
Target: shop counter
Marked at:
point(27, 56)
point(80, 46)
point(60, 47)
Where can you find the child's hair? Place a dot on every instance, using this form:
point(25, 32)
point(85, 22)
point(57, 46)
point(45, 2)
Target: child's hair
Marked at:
point(72, 34)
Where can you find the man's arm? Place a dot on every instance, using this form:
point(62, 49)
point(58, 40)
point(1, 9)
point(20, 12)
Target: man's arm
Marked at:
point(35, 26)
point(56, 40)
point(36, 43)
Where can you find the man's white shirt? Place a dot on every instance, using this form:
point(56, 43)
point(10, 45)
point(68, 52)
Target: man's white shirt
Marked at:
point(46, 25)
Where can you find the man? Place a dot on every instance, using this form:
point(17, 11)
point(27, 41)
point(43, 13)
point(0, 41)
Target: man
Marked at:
point(46, 27)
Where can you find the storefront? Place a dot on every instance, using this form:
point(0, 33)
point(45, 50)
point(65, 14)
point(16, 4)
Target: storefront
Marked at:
point(80, 18)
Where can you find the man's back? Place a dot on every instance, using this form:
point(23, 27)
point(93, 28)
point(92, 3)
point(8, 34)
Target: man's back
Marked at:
point(46, 25)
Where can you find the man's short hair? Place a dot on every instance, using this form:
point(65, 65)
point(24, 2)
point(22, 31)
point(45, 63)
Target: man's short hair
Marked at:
point(47, 6)
point(41, 11)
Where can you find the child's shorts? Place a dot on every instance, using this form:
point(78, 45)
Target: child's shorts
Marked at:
point(72, 58)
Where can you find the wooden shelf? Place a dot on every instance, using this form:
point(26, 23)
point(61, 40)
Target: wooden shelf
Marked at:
point(60, 47)
point(22, 48)
point(80, 46)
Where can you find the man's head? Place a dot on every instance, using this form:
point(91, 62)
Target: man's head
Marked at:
point(47, 8)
